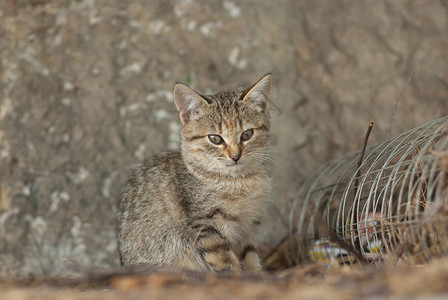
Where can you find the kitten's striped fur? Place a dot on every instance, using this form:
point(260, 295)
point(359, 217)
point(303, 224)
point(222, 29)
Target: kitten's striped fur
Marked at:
point(200, 208)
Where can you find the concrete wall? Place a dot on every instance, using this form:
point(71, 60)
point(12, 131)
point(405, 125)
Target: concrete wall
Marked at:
point(85, 95)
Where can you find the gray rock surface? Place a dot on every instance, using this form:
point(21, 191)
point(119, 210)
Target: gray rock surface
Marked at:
point(85, 95)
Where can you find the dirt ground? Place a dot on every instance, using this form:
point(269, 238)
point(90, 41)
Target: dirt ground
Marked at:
point(305, 282)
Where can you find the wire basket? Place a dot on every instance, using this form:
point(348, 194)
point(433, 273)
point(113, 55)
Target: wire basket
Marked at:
point(391, 206)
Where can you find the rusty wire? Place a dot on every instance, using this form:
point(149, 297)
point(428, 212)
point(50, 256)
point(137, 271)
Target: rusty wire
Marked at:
point(398, 211)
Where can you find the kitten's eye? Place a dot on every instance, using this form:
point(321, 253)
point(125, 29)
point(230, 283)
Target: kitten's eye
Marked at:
point(216, 139)
point(246, 135)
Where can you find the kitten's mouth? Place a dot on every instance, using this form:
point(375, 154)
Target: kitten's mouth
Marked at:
point(233, 164)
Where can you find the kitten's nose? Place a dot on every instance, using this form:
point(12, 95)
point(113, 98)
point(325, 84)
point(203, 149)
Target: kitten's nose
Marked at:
point(235, 156)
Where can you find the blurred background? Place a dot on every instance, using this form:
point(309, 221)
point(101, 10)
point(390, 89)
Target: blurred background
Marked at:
point(85, 95)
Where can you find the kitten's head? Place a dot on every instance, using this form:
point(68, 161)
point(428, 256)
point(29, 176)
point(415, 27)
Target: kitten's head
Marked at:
point(225, 133)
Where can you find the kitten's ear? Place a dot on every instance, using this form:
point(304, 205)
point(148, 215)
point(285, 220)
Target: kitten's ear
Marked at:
point(259, 93)
point(188, 103)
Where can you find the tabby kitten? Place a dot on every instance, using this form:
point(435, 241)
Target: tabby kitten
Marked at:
point(200, 208)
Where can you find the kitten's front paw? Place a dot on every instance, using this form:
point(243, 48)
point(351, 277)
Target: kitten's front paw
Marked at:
point(224, 261)
point(259, 272)
point(251, 261)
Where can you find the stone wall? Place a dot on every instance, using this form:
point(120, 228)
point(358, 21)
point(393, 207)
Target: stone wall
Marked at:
point(86, 94)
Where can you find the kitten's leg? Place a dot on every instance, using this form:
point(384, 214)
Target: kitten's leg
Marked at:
point(249, 255)
point(250, 259)
point(216, 250)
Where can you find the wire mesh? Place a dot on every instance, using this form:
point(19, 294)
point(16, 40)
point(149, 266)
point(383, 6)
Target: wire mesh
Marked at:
point(396, 209)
